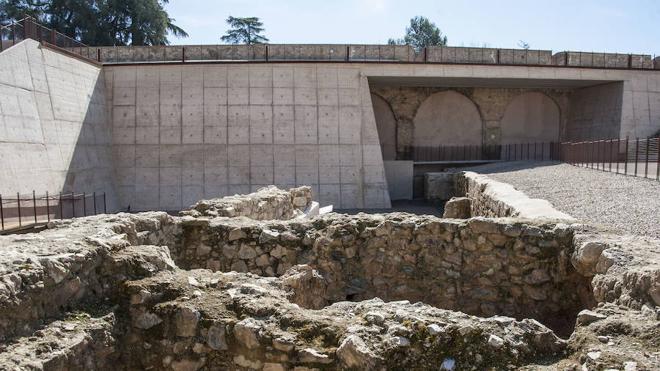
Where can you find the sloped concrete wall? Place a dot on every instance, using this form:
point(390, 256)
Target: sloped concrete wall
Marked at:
point(53, 131)
point(186, 132)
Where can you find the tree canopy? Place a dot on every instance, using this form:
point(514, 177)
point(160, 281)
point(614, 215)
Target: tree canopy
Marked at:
point(420, 34)
point(244, 31)
point(99, 22)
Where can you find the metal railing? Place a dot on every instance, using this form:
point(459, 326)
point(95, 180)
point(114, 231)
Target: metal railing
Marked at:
point(356, 53)
point(24, 211)
point(636, 157)
point(531, 151)
point(350, 53)
point(29, 28)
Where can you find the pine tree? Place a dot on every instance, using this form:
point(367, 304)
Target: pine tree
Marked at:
point(244, 31)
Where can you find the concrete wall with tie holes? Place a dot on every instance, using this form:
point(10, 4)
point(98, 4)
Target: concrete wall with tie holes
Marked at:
point(186, 132)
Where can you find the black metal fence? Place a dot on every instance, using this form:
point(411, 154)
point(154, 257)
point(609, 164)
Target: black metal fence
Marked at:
point(23, 211)
point(637, 157)
point(28, 28)
point(532, 151)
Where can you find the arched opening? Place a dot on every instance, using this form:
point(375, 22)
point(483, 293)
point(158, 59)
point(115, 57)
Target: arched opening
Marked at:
point(386, 125)
point(447, 118)
point(529, 118)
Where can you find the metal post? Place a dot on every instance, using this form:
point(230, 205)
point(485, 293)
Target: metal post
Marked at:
point(34, 206)
point(610, 155)
point(636, 154)
point(657, 167)
point(84, 204)
point(2, 215)
point(183, 54)
point(18, 201)
point(535, 158)
point(527, 152)
point(94, 196)
point(646, 167)
point(73, 204)
point(618, 146)
point(625, 163)
point(47, 207)
point(105, 210)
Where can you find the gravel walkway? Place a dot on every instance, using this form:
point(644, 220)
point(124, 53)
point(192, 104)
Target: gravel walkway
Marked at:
point(622, 203)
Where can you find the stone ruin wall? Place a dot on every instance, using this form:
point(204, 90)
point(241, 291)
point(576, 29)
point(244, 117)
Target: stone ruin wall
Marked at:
point(183, 318)
point(481, 267)
point(268, 203)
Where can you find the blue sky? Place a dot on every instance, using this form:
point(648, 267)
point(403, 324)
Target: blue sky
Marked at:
point(625, 26)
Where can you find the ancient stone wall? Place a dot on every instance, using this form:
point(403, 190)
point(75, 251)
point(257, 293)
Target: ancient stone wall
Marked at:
point(160, 292)
point(268, 203)
point(484, 111)
point(491, 198)
point(46, 274)
point(477, 266)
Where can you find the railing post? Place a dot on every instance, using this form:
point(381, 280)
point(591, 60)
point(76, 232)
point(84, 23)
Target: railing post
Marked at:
point(94, 196)
point(18, 202)
point(646, 166)
point(2, 215)
point(618, 147)
point(528, 144)
point(34, 205)
point(657, 159)
point(105, 210)
point(47, 207)
point(84, 204)
point(610, 154)
point(73, 204)
point(625, 163)
point(636, 154)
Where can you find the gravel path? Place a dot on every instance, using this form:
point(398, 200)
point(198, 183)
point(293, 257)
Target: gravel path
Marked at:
point(622, 203)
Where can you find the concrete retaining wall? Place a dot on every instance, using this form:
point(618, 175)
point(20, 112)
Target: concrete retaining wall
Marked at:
point(53, 131)
point(183, 133)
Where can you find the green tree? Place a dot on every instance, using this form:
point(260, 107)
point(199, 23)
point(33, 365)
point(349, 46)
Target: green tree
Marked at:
point(420, 34)
point(99, 22)
point(244, 31)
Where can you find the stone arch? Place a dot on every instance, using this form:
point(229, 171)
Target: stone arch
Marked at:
point(447, 118)
point(386, 125)
point(531, 117)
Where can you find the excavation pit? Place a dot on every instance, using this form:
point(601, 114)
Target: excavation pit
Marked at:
point(479, 266)
point(209, 290)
